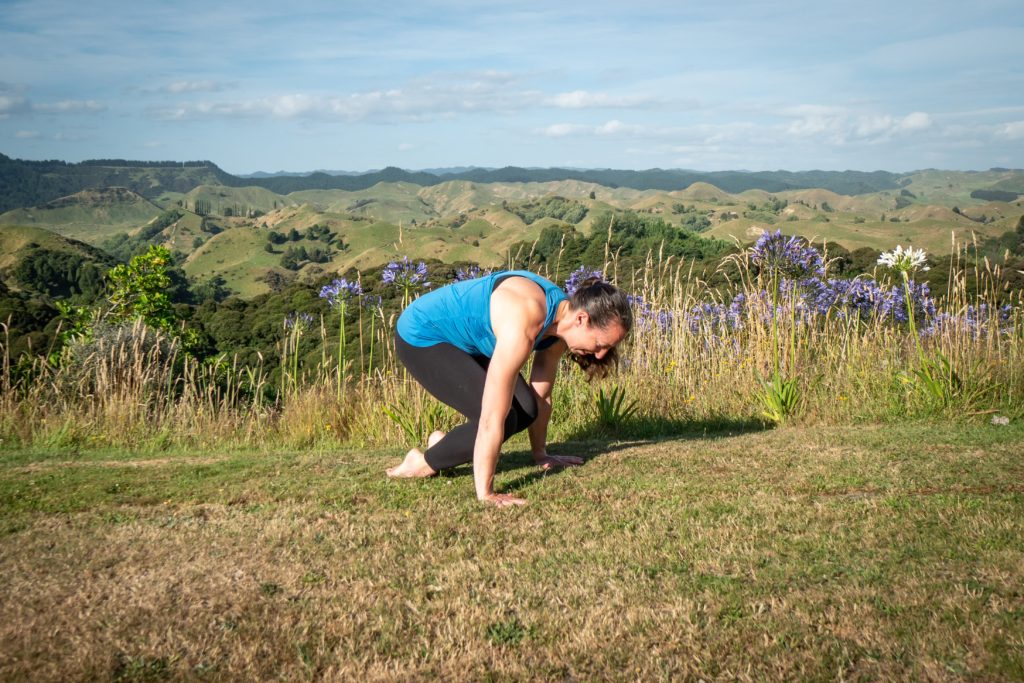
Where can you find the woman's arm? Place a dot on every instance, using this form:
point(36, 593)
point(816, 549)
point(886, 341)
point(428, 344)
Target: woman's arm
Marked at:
point(518, 311)
point(510, 353)
point(542, 379)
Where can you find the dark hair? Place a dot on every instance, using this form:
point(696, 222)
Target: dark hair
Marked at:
point(605, 304)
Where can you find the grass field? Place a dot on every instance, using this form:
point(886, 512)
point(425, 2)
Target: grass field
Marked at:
point(825, 553)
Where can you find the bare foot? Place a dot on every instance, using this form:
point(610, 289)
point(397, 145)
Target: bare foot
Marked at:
point(414, 465)
point(434, 437)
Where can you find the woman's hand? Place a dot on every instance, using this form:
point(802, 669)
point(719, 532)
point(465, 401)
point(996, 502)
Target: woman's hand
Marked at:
point(556, 462)
point(502, 499)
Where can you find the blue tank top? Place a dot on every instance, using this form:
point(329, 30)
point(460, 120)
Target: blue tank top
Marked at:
point(460, 314)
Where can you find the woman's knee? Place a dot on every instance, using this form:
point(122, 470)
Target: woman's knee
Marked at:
point(522, 414)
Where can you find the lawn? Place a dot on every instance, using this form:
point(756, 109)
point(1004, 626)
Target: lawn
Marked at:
point(854, 553)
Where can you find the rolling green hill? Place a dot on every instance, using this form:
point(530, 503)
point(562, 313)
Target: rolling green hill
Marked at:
point(236, 201)
point(90, 215)
point(43, 262)
point(32, 183)
point(461, 219)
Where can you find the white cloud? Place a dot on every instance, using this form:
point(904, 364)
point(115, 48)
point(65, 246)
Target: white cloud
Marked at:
point(1013, 130)
point(616, 127)
point(420, 101)
point(915, 121)
point(28, 135)
point(581, 99)
point(423, 98)
point(179, 87)
point(405, 146)
point(70, 107)
point(609, 128)
point(840, 125)
point(560, 130)
point(10, 104)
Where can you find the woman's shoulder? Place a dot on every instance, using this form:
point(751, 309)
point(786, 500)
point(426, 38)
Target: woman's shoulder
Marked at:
point(519, 297)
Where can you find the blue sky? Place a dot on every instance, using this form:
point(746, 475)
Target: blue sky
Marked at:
point(297, 86)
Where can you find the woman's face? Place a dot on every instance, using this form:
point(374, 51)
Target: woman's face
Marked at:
point(586, 340)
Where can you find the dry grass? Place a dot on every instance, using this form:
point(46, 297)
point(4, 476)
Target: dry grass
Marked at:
point(814, 554)
point(133, 388)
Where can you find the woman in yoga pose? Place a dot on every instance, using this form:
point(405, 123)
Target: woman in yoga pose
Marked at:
point(466, 343)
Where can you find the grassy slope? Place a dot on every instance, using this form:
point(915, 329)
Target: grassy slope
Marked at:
point(861, 553)
point(14, 238)
point(237, 255)
point(221, 197)
point(90, 216)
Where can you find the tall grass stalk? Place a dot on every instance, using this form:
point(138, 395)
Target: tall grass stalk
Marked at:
point(134, 389)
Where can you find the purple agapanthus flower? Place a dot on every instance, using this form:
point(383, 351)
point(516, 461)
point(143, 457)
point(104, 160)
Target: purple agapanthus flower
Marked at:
point(302, 321)
point(370, 301)
point(578, 276)
point(786, 255)
point(405, 273)
point(975, 321)
point(341, 290)
point(471, 273)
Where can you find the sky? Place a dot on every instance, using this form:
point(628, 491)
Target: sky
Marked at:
point(297, 86)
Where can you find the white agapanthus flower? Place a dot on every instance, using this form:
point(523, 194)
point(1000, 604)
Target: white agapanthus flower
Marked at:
point(903, 260)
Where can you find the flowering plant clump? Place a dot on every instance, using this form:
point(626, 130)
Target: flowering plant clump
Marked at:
point(578, 277)
point(339, 291)
point(786, 255)
point(298, 321)
point(904, 260)
point(405, 273)
point(370, 301)
point(716, 317)
point(975, 321)
point(471, 273)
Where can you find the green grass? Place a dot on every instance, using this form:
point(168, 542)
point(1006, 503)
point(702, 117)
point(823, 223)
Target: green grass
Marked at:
point(221, 198)
point(90, 215)
point(863, 553)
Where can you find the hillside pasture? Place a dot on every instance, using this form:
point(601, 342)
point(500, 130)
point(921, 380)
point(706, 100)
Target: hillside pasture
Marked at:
point(90, 216)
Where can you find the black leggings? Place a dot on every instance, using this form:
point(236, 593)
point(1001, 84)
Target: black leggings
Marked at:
point(456, 378)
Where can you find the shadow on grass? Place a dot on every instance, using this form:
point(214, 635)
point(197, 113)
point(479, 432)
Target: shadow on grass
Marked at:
point(595, 439)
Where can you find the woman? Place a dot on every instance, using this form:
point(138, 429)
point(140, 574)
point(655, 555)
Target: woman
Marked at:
point(465, 343)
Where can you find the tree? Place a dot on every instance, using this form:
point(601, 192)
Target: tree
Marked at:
point(214, 289)
point(138, 290)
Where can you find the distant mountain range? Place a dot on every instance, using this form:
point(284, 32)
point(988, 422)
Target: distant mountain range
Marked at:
point(840, 182)
point(451, 170)
point(30, 183)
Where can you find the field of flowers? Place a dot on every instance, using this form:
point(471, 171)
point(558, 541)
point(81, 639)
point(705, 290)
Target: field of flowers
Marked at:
point(784, 342)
